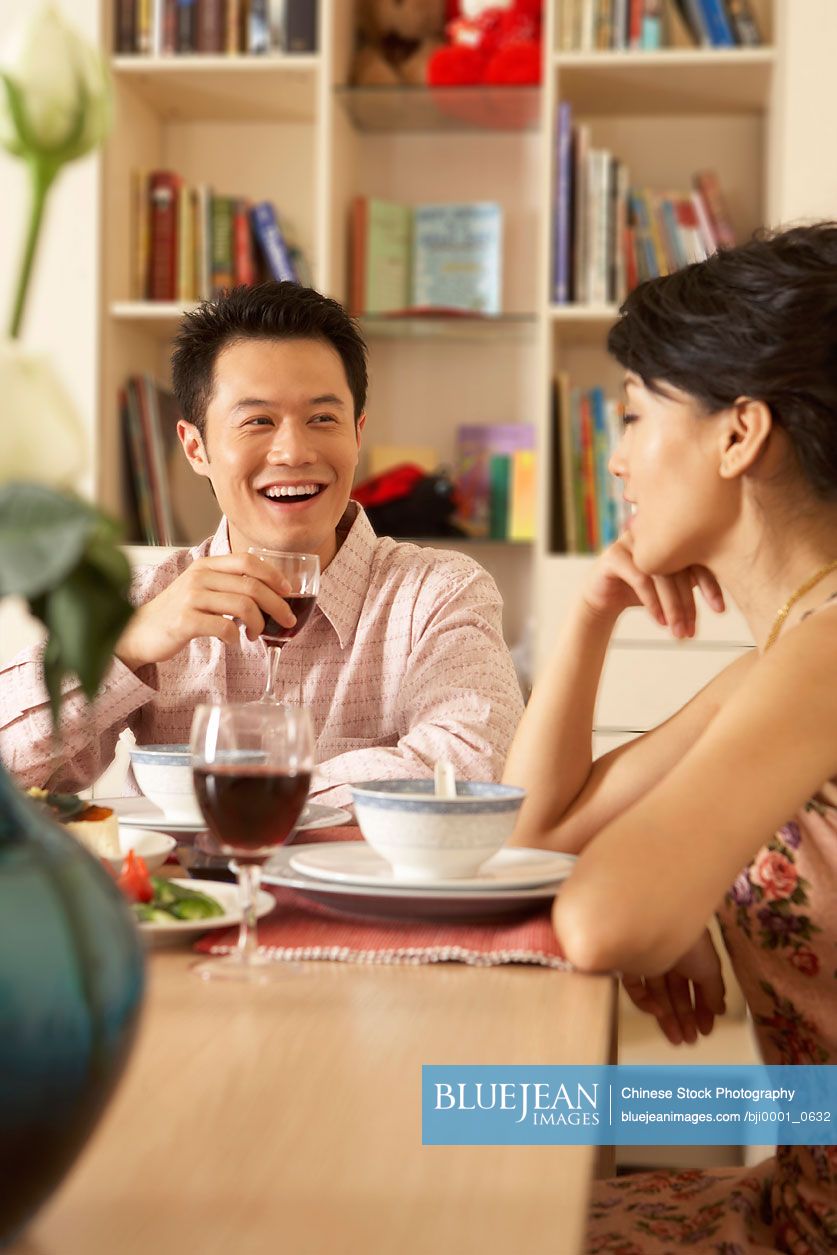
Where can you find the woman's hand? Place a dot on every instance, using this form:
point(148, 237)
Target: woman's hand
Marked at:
point(617, 583)
point(687, 998)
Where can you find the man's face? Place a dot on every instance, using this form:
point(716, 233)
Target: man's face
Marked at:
point(280, 446)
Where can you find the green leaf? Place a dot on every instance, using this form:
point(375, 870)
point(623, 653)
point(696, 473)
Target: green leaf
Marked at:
point(43, 535)
point(85, 616)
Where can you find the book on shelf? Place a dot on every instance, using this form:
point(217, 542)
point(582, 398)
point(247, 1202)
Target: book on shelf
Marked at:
point(647, 25)
point(381, 255)
point(214, 27)
point(589, 511)
point(495, 483)
point(609, 236)
point(457, 257)
point(172, 505)
point(425, 258)
point(189, 243)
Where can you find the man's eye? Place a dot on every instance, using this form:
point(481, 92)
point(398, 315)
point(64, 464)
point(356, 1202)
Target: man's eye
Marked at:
point(259, 421)
point(323, 418)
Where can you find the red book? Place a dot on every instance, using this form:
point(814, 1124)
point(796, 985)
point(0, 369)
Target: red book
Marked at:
point(588, 473)
point(635, 15)
point(211, 26)
point(244, 266)
point(162, 192)
point(706, 182)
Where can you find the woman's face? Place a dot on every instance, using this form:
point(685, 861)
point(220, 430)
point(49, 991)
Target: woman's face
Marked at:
point(668, 460)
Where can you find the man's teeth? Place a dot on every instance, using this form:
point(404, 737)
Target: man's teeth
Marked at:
point(293, 490)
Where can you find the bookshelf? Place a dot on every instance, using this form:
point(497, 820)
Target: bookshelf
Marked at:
point(291, 129)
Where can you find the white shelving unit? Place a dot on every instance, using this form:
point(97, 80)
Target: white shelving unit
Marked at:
point(291, 129)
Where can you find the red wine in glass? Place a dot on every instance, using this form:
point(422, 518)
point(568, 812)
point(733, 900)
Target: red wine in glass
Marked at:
point(250, 807)
point(274, 633)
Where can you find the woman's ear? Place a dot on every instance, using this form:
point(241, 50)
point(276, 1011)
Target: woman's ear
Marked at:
point(745, 436)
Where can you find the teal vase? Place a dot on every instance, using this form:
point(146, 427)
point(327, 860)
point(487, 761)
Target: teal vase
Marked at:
point(71, 985)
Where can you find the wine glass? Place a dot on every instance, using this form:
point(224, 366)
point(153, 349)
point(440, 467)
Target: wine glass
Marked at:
point(251, 767)
point(302, 571)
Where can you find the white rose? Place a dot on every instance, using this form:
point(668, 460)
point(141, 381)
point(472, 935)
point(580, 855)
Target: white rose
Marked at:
point(55, 95)
point(41, 437)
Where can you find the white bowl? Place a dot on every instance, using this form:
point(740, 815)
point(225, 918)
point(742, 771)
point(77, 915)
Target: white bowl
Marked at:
point(164, 774)
point(426, 838)
point(152, 847)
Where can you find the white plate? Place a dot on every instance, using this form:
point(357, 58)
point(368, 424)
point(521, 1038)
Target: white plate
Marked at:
point(415, 902)
point(356, 863)
point(152, 847)
point(139, 812)
point(225, 894)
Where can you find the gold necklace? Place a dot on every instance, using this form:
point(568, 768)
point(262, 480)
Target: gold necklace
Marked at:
point(811, 581)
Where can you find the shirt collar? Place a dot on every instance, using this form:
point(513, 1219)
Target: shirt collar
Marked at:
point(345, 581)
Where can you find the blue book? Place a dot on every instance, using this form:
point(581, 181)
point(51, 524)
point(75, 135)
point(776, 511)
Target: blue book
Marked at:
point(563, 205)
point(457, 257)
point(717, 23)
point(608, 524)
point(272, 242)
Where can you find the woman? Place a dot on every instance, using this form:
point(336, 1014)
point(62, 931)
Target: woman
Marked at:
point(729, 459)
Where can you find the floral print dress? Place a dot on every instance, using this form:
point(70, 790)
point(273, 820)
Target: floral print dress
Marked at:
point(779, 924)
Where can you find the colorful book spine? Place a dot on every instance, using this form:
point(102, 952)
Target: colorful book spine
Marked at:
point(620, 25)
point(185, 246)
point(707, 183)
point(210, 32)
point(652, 25)
point(222, 253)
point(163, 193)
point(258, 27)
point(272, 242)
point(499, 485)
point(581, 148)
point(457, 257)
point(523, 496)
point(244, 267)
point(717, 24)
point(126, 27)
point(187, 26)
point(693, 16)
point(636, 11)
point(588, 474)
point(607, 527)
point(744, 24)
point(562, 255)
point(300, 25)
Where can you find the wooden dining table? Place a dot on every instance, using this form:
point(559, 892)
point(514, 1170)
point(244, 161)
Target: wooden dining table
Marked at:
point(286, 1117)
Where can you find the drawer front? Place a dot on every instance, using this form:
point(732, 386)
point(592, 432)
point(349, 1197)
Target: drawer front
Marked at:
point(643, 686)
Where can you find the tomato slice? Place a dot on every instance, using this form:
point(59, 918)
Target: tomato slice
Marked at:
point(135, 881)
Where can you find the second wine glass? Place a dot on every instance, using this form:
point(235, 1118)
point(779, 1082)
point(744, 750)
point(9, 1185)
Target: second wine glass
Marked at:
point(302, 571)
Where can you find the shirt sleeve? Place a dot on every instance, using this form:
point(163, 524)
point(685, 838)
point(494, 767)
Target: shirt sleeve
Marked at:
point(460, 697)
point(73, 755)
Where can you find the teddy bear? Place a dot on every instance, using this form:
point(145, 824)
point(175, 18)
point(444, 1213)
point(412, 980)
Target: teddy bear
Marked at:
point(493, 42)
point(396, 39)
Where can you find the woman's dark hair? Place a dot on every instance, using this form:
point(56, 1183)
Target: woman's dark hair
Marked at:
point(755, 321)
point(264, 311)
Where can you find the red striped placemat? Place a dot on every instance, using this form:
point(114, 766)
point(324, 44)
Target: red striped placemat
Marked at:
point(301, 929)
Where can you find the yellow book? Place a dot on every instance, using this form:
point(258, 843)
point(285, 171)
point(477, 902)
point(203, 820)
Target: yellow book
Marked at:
point(523, 495)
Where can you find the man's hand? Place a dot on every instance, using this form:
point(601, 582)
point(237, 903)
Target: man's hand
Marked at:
point(204, 601)
point(615, 583)
point(687, 998)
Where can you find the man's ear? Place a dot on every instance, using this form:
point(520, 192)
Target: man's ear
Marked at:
point(745, 435)
point(194, 447)
point(359, 426)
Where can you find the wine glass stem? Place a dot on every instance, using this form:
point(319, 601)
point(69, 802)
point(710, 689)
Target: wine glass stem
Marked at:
point(271, 691)
point(249, 880)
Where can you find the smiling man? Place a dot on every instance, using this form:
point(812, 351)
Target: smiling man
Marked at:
point(402, 661)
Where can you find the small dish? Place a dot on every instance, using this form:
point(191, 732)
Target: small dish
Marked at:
point(187, 929)
point(356, 863)
point(164, 774)
point(139, 812)
point(152, 847)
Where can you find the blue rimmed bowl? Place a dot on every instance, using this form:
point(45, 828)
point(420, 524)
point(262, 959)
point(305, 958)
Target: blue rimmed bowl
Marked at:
point(426, 838)
point(164, 775)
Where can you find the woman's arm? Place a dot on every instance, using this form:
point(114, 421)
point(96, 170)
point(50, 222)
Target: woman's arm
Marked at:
point(568, 797)
point(644, 887)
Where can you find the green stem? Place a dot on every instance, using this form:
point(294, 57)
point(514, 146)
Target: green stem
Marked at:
point(41, 175)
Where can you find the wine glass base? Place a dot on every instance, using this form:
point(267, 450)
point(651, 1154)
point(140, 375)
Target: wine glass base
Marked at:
point(259, 969)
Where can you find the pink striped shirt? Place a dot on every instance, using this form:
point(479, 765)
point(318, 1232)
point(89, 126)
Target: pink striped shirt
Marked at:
point(402, 662)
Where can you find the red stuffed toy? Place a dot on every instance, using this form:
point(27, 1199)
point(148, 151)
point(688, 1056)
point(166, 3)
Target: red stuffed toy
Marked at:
point(493, 42)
